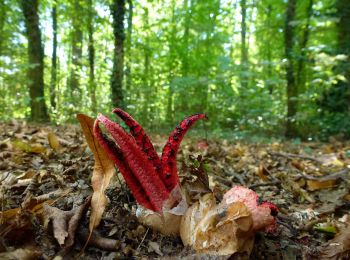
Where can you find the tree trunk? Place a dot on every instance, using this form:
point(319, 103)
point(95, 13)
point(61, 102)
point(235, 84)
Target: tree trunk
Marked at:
point(118, 12)
point(2, 23)
point(36, 59)
point(77, 53)
point(91, 51)
point(54, 57)
point(300, 80)
point(269, 51)
point(187, 6)
point(343, 13)
point(171, 62)
point(244, 49)
point(292, 91)
point(128, 82)
point(146, 68)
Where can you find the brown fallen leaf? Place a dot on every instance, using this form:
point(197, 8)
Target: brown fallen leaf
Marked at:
point(53, 141)
point(263, 172)
point(102, 174)
point(313, 185)
point(217, 229)
point(64, 224)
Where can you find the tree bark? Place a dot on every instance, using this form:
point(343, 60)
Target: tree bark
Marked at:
point(91, 53)
point(54, 57)
point(269, 51)
point(36, 59)
point(2, 22)
point(292, 91)
point(171, 62)
point(187, 6)
point(343, 13)
point(128, 78)
point(300, 80)
point(244, 49)
point(118, 12)
point(77, 53)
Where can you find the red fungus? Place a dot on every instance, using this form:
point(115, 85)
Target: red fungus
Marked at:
point(171, 148)
point(150, 179)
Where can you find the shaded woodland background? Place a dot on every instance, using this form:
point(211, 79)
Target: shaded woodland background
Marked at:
point(255, 67)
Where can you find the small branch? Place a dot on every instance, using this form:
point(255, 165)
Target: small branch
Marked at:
point(332, 176)
point(137, 249)
point(298, 156)
point(97, 241)
point(271, 183)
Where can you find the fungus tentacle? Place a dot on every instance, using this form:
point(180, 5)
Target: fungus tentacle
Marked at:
point(170, 176)
point(115, 154)
point(141, 139)
point(138, 163)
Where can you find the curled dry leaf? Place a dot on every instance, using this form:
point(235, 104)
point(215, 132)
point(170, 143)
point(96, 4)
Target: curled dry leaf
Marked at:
point(228, 227)
point(102, 174)
point(217, 229)
point(64, 223)
point(53, 141)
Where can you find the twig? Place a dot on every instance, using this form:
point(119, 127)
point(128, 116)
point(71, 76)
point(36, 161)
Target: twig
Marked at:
point(271, 183)
point(332, 176)
point(300, 156)
point(96, 240)
point(144, 237)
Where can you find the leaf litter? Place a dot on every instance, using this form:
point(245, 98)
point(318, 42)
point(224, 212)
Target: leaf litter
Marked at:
point(45, 177)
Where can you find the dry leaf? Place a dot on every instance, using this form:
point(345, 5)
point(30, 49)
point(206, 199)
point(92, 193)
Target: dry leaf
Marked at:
point(217, 229)
point(28, 148)
point(53, 141)
point(318, 185)
point(262, 172)
point(64, 223)
point(102, 174)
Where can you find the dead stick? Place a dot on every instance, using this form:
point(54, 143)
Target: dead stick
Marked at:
point(300, 156)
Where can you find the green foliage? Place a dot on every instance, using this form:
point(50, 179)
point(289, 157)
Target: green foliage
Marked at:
point(184, 57)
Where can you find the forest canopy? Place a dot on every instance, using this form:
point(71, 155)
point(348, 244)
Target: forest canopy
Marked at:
point(254, 67)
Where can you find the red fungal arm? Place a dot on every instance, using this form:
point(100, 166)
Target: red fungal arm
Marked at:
point(138, 163)
point(141, 139)
point(116, 156)
point(170, 176)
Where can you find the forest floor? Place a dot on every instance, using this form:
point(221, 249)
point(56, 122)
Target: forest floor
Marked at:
point(45, 175)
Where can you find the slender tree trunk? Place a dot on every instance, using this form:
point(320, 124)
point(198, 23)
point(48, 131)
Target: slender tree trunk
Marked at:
point(343, 13)
point(244, 49)
point(146, 68)
point(118, 12)
point(54, 57)
point(269, 52)
point(128, 78)
point(292, 91)
point(187, 6)
point(36, 58)
point(77, 53)
point(171, 41)
point(91, 51)
point(300, 80)
point(2, 23)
